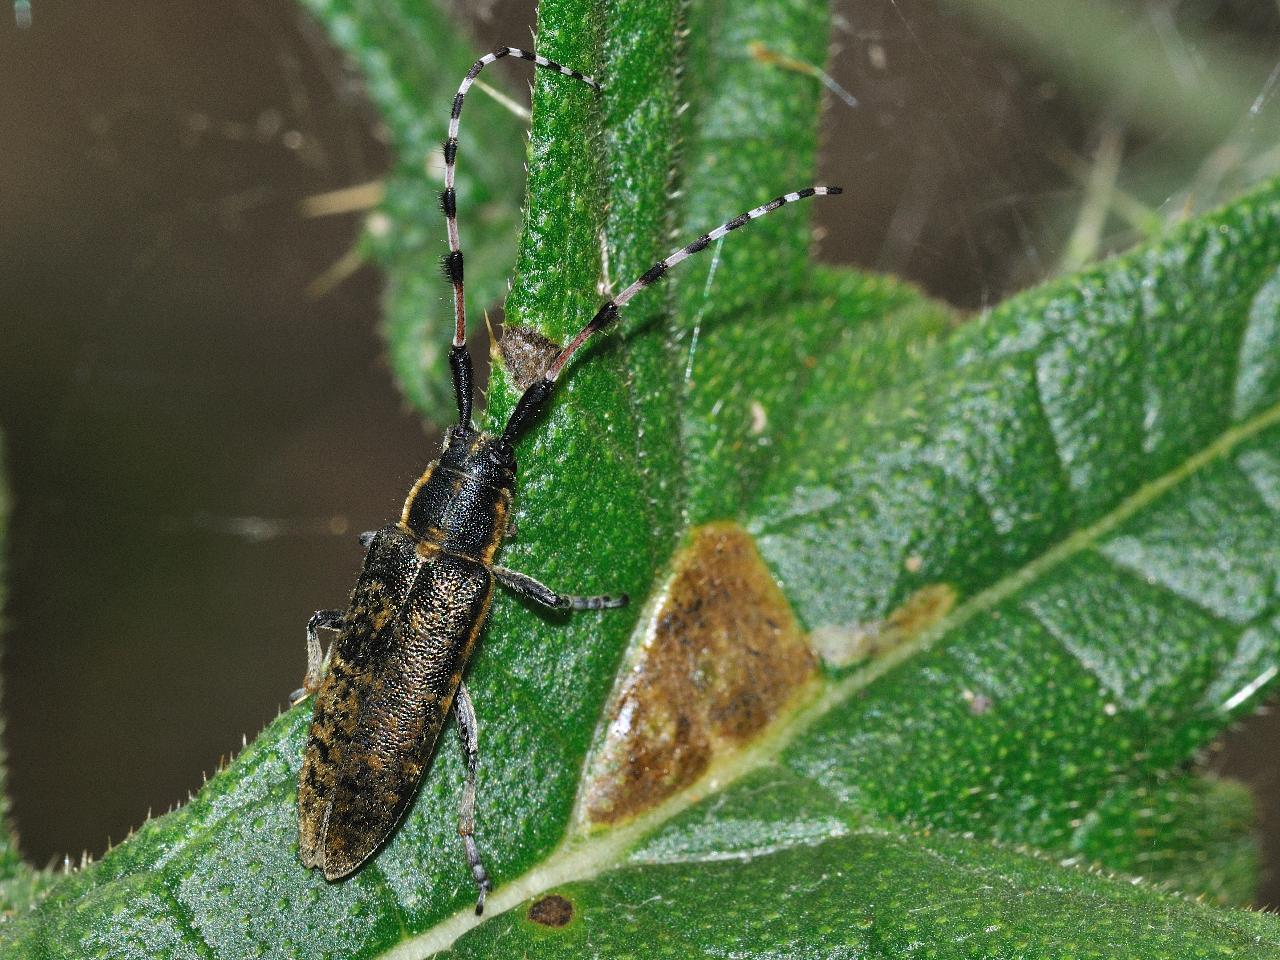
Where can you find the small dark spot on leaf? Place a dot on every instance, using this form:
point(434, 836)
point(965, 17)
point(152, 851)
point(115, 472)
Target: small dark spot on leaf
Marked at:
point(552, 911)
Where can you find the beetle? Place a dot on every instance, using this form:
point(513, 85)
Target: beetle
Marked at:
point(388, 682)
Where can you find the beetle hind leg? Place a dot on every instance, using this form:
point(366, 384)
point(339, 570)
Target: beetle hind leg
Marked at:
point(317, 659)
point(539, 592)
point(468, 736)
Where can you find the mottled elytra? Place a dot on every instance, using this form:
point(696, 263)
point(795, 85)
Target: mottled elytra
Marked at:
point(386, 685)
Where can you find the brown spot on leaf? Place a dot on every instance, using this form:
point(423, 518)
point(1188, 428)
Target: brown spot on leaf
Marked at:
point(552, 911)
point(526, 354)
point(841, 645)
point(721, 657)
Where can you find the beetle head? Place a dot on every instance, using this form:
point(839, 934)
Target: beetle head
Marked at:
point(484, 458)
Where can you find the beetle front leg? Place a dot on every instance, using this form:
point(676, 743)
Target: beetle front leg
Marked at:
point(317, 660)
point(468, 735)
point(540, 593)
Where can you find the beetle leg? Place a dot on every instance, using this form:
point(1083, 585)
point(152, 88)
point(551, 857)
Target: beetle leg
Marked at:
point(539, 592)
point(467, 734)
point(317, 661)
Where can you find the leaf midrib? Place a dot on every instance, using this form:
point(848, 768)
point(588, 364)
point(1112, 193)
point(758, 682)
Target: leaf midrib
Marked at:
point(581, 856)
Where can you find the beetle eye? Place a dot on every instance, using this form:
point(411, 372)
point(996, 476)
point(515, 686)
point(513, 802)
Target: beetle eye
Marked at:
point(502, 455)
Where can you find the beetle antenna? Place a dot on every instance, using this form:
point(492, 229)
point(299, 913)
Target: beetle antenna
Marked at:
point(532, 399)
point(459, 359)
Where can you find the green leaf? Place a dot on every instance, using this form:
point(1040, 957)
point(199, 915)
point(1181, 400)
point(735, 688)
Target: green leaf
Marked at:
point(1037, 556)
point(872, 894)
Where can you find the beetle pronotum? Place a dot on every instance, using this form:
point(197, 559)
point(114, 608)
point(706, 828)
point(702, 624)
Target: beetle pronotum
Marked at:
point(386, 685)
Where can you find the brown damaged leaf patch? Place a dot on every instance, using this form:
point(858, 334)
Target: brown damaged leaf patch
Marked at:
point(526, 354)
point(840, 646)
point(551, 911)
point(722, 655)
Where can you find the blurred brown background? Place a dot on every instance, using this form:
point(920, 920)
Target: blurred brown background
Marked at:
point(193, 441)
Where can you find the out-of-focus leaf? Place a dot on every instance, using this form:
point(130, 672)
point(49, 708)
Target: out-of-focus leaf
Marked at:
point(1190, 833)
point(412, 54)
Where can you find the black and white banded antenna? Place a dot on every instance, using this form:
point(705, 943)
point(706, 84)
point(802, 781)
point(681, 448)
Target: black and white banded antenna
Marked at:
point(459, 359)
point(532, 399)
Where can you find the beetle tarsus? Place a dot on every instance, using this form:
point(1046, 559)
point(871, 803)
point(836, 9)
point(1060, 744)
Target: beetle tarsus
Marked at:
point(483, 885)
point(539, 592)
point(317, 659)
point(469, 738)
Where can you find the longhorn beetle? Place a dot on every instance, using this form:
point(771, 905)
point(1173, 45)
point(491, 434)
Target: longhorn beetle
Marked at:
point(386, 685)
